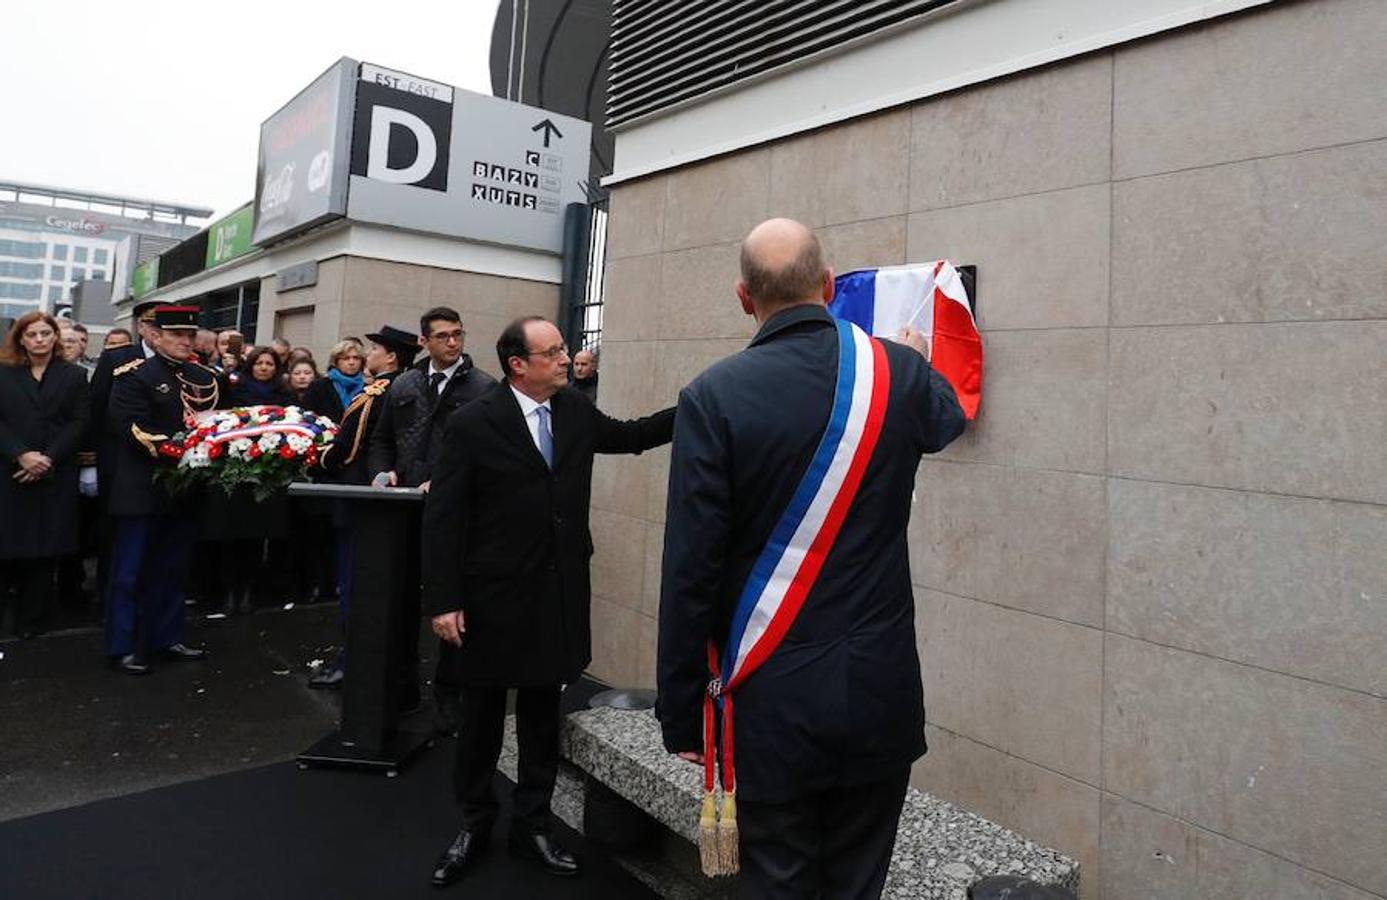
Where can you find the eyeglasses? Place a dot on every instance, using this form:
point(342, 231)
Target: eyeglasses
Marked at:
point(552, 353)
point(448, 337)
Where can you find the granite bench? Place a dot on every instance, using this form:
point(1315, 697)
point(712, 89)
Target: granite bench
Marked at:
point(940, 851)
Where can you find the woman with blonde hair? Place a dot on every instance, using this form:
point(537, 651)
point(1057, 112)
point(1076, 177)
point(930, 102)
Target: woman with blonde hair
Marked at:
point(346, 377)
point(44, 408)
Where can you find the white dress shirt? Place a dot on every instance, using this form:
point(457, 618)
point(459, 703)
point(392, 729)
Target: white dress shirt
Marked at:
point(449, 372)
point(527, 409)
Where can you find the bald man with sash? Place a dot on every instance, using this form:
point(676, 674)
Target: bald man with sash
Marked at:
point(787, 660)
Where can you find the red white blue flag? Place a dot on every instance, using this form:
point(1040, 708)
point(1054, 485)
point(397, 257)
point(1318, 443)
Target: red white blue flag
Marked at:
point(929, 297)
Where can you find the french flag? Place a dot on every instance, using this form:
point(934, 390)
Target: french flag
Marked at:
point(929, 297)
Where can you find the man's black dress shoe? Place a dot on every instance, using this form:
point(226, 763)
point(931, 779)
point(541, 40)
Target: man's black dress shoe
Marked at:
point(130, 664)
point(462, 852)
point(327, 678)
point(545, 850)
point(184, 652)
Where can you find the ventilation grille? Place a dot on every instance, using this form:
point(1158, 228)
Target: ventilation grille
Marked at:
point(666, 52)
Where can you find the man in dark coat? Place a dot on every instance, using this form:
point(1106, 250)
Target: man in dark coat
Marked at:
point(345, 462)
point(151, 400)
point(585, 374)
point(404, 449)
point(826, 729)
point(506, 552)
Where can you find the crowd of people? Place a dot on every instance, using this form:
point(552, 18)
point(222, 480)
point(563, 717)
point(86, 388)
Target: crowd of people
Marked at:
point(784, 546)
point(64, 535)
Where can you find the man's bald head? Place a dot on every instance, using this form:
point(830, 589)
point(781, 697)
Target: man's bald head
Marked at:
point(782, 264)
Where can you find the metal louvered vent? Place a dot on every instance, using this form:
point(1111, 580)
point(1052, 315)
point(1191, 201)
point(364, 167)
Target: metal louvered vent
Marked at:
point(666, 52)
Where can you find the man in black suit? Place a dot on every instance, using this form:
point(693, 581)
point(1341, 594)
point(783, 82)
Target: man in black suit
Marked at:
point(152, 400)
point(827, 727)
point(506, 551)
point(406, 444)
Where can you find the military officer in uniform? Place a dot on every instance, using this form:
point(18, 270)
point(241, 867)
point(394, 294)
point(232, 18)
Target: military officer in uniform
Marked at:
point(152, 399)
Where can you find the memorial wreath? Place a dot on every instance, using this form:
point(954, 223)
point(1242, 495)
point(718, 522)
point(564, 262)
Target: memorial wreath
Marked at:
point(260, 447)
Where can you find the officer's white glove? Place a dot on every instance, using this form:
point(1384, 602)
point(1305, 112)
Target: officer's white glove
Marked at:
point(86, 481)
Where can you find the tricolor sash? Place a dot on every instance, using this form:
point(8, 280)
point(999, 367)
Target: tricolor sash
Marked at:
point(789, 565)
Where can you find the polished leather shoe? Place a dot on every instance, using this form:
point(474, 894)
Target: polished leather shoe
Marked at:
point(130, 664)
point(462, 852)
point(545, 850)
point(184, 652)
point(327, 678)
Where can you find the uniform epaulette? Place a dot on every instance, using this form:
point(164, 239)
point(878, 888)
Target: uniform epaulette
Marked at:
point(131, 366)
point(378, 387)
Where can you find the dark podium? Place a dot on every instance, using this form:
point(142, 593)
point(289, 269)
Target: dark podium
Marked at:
point(372, 735)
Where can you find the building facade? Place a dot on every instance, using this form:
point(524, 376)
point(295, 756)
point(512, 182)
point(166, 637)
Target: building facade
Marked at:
point(1151, 579)
point(52, 239)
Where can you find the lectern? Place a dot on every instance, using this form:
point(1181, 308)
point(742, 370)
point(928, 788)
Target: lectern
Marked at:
point(372, 735)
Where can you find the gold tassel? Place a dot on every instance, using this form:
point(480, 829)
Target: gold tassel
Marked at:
point(708, 836)
point(728, 837)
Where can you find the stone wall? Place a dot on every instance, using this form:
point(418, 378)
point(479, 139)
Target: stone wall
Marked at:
point(1151, 581)
point(356, 295)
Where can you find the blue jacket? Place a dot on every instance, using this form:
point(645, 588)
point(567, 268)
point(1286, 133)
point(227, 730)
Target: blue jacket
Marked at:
point(840, 701)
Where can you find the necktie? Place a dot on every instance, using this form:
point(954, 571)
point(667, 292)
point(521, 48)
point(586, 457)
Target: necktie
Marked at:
point(546, 437)
point(435, 380)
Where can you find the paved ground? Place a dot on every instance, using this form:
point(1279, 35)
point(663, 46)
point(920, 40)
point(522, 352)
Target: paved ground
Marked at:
point(72, 731)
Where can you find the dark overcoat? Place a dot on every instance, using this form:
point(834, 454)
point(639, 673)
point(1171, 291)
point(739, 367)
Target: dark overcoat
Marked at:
point(50, 416)
point(102, 380)
point(840, 701)
point(146, 407)
point(409, 438)
point(321, 397)
point(506, 540)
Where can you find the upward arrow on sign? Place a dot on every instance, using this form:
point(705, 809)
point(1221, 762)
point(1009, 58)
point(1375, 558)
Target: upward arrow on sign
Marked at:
point(549, 129)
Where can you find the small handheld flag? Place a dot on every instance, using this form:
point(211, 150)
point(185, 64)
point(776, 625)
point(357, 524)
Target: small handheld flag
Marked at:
point(929, 297)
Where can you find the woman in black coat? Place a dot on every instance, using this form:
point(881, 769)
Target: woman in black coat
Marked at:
point(44, 409)
point(333, 393)
point(238, 523)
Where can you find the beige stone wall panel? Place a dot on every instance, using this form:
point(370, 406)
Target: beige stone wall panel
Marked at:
point(1280, 763)
point(1043, 401)
point(1026, 539)
point(1042, 259)
point(1295, 409)
point(1038, 131)
point(1293, 585)
point(1006, 677)
point(1294, 238)
point(1150, 856)
point(717, 201)
point(1286, 77)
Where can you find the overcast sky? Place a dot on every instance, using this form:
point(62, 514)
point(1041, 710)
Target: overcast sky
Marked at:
point(163, 100)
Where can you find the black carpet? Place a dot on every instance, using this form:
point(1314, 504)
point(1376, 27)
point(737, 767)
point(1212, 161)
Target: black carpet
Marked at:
point(278, 832)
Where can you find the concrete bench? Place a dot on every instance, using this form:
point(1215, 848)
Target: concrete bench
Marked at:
point(940, 849)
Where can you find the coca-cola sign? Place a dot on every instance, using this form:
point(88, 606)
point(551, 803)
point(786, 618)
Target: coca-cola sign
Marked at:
point(302, 176)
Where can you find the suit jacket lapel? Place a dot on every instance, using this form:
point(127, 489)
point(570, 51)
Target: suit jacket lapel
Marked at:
point(504, 411)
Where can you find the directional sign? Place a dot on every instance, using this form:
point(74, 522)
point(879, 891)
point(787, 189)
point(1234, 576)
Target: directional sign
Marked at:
point(435, 158)
point(548, 128)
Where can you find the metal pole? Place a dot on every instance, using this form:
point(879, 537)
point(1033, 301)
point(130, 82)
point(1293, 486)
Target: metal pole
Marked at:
point(510, 59)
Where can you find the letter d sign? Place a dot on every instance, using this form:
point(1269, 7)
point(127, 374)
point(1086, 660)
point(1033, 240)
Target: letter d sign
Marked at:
point(401, 138)
point(378, 159)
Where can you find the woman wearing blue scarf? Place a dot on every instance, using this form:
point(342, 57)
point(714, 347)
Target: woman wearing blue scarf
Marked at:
point(331, 395)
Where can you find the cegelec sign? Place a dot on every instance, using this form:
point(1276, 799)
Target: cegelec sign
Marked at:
point(84, 225)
